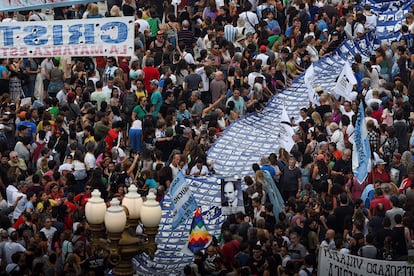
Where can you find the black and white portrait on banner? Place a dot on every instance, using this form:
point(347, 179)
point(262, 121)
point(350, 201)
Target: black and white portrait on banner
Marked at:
point(231, 196)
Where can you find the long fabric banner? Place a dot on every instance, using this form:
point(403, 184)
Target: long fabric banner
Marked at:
point(113, 36)
point(361, 155)
point(335, 263)
point(22, 5)
point(183, 200)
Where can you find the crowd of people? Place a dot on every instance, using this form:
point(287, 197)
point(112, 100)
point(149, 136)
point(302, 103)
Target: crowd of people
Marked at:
point(108, 122)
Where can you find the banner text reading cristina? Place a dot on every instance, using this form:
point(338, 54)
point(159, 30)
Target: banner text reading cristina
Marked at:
point(106, 36)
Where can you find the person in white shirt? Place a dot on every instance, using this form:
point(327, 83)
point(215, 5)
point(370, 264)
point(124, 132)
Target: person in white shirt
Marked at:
point(49, 231)
point(143, 24)
point(11, 188)
point(175, 165)
point(199, 169)
point(62, 94)
point(90, 160)
point(371, 19)
point(21, 204)
point(249, 17)
point(346, 109)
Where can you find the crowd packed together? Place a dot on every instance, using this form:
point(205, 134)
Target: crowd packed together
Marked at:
point(109, 122)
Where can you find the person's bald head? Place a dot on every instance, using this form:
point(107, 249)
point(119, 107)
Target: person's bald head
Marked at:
point(186, 24)
point(330, 234)
point(219, 75)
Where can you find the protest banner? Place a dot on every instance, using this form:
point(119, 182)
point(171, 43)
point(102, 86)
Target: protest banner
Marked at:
point(361, 155)
point(112, 36)
point(183, 201)
point(309, 80)
point(21, 5)
point(231, 197)
point(332, 262)
point(345, 83)
point(286, 132)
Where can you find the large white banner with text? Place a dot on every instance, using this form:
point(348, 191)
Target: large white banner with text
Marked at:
point(334, 263)
point(113, 36)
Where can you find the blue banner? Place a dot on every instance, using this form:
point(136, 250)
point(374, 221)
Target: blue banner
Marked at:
point(361, 155)
point(183, 201)
point(274, 195)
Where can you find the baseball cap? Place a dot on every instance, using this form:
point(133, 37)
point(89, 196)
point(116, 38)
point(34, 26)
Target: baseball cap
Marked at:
point(262, 48)
point(154, 81)
point(335, 32)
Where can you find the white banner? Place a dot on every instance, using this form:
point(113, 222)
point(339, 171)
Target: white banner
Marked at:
point(286, 131)
point(113, 36)
point(345, 82)
point(14, 5)
point(334, 263)
point(309, 80)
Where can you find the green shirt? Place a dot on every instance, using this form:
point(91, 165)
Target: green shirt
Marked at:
point(54, 111)
point(140, 112)
point(156, 100)
point(154, 25)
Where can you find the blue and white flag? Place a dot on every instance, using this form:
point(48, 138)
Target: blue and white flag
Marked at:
point(274, 195)
point(361, 154)
point(182, 199)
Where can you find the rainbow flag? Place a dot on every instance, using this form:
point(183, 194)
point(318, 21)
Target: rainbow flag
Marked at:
point(199, 236)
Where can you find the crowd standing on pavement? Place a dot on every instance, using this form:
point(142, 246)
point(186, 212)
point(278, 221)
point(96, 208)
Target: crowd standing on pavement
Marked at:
point(108, 122)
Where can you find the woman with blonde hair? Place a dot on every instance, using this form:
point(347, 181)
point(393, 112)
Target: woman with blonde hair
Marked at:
point(409, 21)
point(316, 117)
point(92, 11)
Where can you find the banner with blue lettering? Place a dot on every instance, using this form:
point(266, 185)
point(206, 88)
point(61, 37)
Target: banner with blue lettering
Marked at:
point(183, 200)
point(22, 5)
point(361, 155)
point(112, 36)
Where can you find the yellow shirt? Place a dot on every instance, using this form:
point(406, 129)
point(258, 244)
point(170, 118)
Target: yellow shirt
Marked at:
point(89, 139)
point(39, 206)
point(140, 94)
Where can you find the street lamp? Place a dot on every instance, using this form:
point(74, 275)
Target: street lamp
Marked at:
point(119, 222)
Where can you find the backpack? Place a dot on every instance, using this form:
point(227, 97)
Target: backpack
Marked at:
point(129, 103)
point(37, 151)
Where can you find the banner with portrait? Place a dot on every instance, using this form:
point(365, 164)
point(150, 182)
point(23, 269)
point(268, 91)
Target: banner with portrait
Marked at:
point(231, 197)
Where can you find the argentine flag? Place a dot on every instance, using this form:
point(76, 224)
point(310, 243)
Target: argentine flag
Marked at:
point(361, 155)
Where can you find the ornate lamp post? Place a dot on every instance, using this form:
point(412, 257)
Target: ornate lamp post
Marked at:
point(118, 220)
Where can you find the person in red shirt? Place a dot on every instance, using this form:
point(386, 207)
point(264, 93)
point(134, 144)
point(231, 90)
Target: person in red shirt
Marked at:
point(379, 199)
point(229, 249)
point(83, 197)
point(379, 173)
point(376, 112)
point(151, 73)
point(407, 181)
point(113, 133)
